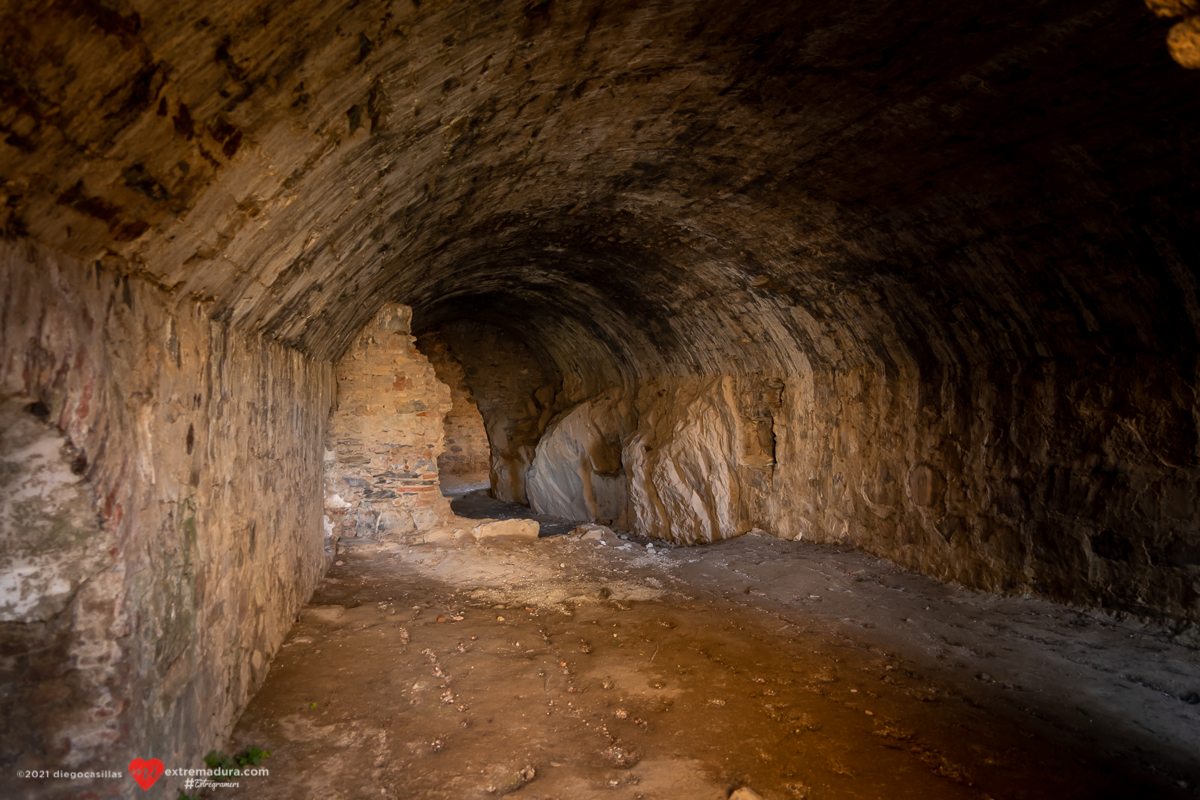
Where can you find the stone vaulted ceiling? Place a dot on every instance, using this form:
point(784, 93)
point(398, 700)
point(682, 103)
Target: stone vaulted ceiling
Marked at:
point(648, 187)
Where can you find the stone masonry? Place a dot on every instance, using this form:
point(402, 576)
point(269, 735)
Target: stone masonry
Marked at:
point(381, 477)
point(162, 520)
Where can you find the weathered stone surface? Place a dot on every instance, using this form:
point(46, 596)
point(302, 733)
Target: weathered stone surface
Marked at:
point(386, 435)
point(167, 484)
point(1173, 8)
point(577, 472)
point(592, 532)
point(745, 793)
point(443, 534)
point(682, 462)
point(1184, 42)
point(50, 539)
point(1050, 480)
point(1004, 477)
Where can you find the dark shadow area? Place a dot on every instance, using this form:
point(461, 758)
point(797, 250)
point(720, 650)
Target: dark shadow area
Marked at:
point(477, 505)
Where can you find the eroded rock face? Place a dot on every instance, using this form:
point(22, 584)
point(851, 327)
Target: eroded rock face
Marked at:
point(387, 435)
point(1048, 480)
point(577, 471)
point(682, 462)
point(50, 539)
point(1061, 478)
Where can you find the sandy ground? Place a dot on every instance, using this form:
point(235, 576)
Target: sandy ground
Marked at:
point(569, 669)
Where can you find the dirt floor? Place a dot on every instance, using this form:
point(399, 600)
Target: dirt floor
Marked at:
point(574, 669)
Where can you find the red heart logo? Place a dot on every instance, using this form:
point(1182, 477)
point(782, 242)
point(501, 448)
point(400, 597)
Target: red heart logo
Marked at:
point(146, 772)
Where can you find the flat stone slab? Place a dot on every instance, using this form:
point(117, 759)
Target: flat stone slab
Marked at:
point(524, 528)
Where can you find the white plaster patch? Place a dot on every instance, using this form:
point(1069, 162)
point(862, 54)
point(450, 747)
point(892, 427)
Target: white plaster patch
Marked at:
point(28, 583)
point(336, 502)
point(48, 529)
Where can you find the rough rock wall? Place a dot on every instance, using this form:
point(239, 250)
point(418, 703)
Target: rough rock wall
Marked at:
point(466, 451)
point(198, 452)
point(687, 459)
point(577, 471)
point(386, 435)
point(50, 539)
point(692, 462)
point(1075, 480)
point(517, 397)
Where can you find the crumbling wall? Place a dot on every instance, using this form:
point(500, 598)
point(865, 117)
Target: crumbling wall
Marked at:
point(171, 471)
point(517, 397)
point(466, 451)
point(386, 436)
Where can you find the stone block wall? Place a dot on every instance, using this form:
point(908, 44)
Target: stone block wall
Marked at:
point(169, 528)
point(466, 451)
point(386, 435)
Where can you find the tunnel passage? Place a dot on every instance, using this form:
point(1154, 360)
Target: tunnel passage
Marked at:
point(516, 392)
point(466, 459)
point(918, 277)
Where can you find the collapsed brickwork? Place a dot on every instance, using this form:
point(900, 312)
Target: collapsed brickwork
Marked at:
point(381, 478)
